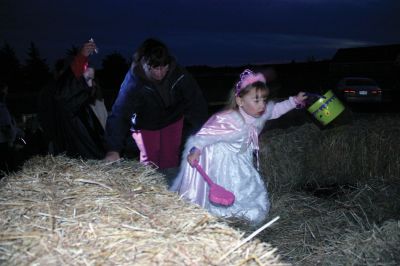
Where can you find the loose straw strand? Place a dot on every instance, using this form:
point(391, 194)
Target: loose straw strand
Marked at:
point(248, 238)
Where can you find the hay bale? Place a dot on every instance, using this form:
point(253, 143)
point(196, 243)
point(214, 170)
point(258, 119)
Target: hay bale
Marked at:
point(377, 200)
point(283, 155)
point(306, 225)
point(378, 246)
point(315, 231)
point(363, 205)
point(311, 229)
point(358, 152)
point(58, 210)
point(344, 155)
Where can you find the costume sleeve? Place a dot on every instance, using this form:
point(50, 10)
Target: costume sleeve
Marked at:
point(275, 110)
point(120, 119)
point(221, 127)
point(196, 111)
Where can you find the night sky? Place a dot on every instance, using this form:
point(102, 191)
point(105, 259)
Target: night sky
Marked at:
point(208, 32)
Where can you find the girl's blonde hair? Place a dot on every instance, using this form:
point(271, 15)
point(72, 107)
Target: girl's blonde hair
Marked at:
point(248, 80)
point(258, 85)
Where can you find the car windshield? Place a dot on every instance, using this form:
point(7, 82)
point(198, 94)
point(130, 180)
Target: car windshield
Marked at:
point(352, 82)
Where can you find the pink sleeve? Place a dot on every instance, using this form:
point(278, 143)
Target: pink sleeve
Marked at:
point(218, 124)
point(220, 127)
point(275, 110)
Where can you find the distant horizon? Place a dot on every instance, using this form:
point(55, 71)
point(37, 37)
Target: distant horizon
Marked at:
point(97, 59)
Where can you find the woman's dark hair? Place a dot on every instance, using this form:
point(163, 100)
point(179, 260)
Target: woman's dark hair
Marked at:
point(153, 52)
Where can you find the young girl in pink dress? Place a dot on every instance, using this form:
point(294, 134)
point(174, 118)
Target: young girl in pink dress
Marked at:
point(224, 148)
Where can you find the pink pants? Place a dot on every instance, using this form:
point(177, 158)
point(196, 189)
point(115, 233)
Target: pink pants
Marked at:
point(160, 147)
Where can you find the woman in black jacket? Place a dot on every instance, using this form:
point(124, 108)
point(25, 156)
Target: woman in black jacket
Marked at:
point(160, 102)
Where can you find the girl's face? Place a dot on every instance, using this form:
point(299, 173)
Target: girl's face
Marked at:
point(254, 102)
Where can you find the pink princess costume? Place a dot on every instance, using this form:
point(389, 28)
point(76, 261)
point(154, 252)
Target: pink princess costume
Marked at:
point(227, 141)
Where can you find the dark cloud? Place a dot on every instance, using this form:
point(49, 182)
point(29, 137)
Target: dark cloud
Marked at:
point(214, 32)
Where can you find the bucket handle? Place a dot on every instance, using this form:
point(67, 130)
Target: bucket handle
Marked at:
point(313, 94)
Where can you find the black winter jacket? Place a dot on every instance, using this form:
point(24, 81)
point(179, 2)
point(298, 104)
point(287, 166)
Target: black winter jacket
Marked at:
point(142, 104)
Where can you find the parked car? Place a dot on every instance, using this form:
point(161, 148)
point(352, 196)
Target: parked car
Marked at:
point(359, 89)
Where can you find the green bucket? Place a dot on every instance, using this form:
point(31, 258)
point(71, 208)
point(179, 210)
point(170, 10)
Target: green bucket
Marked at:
point(327, 108)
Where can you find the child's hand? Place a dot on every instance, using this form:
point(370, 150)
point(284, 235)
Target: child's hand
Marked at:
point(193, 157)
point(301, 96)
point(300, 99)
